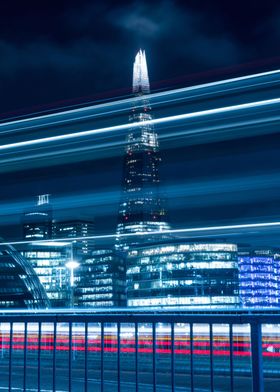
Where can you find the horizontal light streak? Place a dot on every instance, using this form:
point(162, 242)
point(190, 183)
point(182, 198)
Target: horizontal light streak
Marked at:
point(148, 233)
point(222, 131)
point(107, 200)
point(136, 99)
point(162, 120)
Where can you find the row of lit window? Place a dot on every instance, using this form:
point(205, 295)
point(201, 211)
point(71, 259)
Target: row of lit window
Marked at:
point(171, 301)
point(186, 248)
point(171, 267)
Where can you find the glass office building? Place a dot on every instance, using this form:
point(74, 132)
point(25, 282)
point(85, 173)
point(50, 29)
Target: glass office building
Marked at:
point(81, 229)
point(49, 262)
point(141, 209)
point(101, 280)
point(259, 277)
point(19, 284)
point(183, 274)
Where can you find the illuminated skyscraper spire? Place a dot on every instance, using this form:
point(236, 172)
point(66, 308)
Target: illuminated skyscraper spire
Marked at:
point(141, 209)
point(141, 83)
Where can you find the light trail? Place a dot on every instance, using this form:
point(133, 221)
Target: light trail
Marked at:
point(171, 231)
point(136, 99)
point(185, 116)
point(173, 134)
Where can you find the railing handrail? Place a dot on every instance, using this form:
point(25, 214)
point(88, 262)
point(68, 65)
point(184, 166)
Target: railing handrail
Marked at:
point(142, 318)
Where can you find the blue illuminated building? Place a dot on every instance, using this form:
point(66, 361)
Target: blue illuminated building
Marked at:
point(141, 209)
point(77, 228)
point(259, 277)
point(101, 280)
point(180, 273)
point(49, 260)
point(20, 286)
point(37, 222)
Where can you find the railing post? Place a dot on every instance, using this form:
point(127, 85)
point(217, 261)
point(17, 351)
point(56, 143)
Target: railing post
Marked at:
point(257, 360)
point(10, 355)
point(70, 357)
point(86, 356)
point(119, 355)
point(231, 356)
point(191, 357)
point(154, 356)
point(172, 357)
point(136, 357)
point(39, 355)
point(54, 355)
point(102, 358)
point(25, 356)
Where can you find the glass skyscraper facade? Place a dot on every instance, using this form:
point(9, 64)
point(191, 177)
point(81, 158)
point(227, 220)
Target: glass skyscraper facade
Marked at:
point(141, 208)
point(183, 274)
point(101, 280)
point(80, 229)
point(259, 277)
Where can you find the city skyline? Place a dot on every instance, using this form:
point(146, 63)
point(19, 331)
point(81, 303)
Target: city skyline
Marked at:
point(151, 264)
point(140, 196)
point(249, 182)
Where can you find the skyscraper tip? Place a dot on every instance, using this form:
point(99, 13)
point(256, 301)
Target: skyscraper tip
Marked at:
point(141, 83)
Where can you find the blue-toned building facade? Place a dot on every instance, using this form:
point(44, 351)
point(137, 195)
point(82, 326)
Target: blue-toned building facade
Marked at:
point(101, 280)
point(179, 273)
point(141, 208)
point(20, 286)
point(259, 277)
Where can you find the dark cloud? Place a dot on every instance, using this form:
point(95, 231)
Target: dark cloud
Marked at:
point(52, 53)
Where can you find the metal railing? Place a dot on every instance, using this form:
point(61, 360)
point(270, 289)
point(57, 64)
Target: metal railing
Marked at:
point(139, 351)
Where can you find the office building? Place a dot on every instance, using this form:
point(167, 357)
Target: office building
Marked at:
point(82, 230)
point(19, 284)
point(37, 222)
point(49, 260)
point(259, 277)
point(101, 280)
point(179, 273)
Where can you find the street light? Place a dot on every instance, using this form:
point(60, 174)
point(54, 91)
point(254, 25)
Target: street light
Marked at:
point(72, 265)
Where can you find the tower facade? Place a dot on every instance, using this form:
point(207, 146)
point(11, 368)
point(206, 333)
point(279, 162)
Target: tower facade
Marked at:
point(141, 208)
point(76, 229)
point(37, 222)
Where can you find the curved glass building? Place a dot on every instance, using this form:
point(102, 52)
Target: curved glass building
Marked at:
point(183, 274)
point(19, 284)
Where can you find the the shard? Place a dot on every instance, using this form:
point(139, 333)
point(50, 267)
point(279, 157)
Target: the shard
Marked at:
point(141, 208)
point(140, 81)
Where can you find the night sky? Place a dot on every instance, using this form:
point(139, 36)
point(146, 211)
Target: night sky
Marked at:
point(66, 54)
